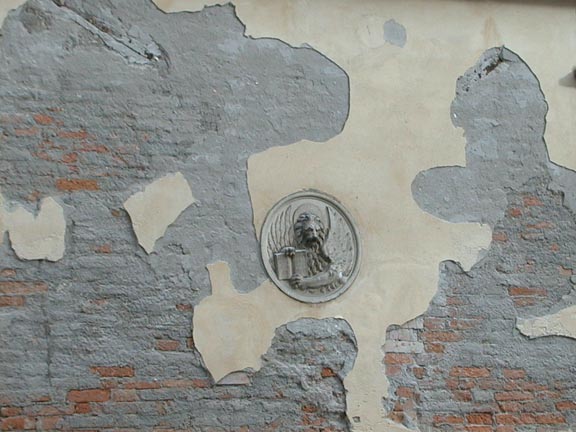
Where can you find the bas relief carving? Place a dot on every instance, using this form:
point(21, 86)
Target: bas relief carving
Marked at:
point(310, 247)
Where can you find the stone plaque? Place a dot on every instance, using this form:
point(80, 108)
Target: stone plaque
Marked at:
point(310, 247)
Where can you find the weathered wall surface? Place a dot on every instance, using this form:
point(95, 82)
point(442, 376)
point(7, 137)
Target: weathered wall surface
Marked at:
point(160, 141)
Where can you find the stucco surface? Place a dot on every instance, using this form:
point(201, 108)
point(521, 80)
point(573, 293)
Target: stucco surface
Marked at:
point(157, 206)
point(40, 236)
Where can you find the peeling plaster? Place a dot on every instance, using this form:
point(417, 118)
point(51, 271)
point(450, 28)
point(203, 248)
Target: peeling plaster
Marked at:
point(37, 237)
point(561, 323)
point(157, 207)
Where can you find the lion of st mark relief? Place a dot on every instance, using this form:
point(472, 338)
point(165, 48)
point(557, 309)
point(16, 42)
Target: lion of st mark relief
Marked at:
point(310, 247)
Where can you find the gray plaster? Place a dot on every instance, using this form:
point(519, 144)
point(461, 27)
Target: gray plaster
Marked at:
point(135, 94)
point(394, 33)
point(510, 183)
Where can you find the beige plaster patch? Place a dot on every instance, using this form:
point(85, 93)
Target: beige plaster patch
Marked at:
point(158, 206)
point(7, 6)
point(37, 237)
point(562, 323)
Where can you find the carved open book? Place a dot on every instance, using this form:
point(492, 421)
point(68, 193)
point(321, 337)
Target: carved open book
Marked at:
point(287, 266)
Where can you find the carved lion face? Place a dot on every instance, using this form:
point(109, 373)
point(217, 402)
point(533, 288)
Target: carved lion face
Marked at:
point(309, 230)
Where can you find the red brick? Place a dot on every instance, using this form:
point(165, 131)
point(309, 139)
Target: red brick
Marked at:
point(113, 371)
point(43, 119)
point(327, 372)
point(404, 392)
point(514, 373)
point(514, 212)
point(7, 272)
point(513, 396)
point(479, 418)
point(309, 408)
point(184, 307)
point(17, 423)
point(79, 134)
point(10, 411)
point(22, 288)
point(12, 301)
point(103, 249)
point(532, 201)
point(26, 132)
point(395, 358)
point(500, 237)
point(70, 158)
point(442, 336)
point(82, 408)
point(550, 418)
point(193, 383)
point(565, 405)
point(167, 345)
point(72, 185)
point(470, 372)
point(89, 395)
point(527, 291)
point(524, 301)
point(142, 385)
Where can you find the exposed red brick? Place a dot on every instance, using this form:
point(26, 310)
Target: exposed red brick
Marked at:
point(532, 201)
point(113, 371)
point(167, 345)
point(190, 343)
point(12, 301)
point(500, 237)
point(514, 212)
point(72, 185)
point(26, 132)
point(10, 411)
point(527, 291)
point(327, 372)
point(448, 419)
point(550, 418)
point(43, 119)
point(309, 408)
point(142, 385)
point(434, 348)
point(470, 372)
point(395, 358)
point(22, 288)
point(419, 372)
point(513, 396)
point(479, 418)
point(565, 271)
point(524, 301)
point(514, 373)
point(566, 405)
point(78, 135)
point(89, 395)
point(193, 383)
point(184, 307)
point(7, 272)
point(82, 408)
point(405, 392)
point(70, 157)
point(17, 423)
point(554, 247)
point(103, 249)
point(439, 336)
